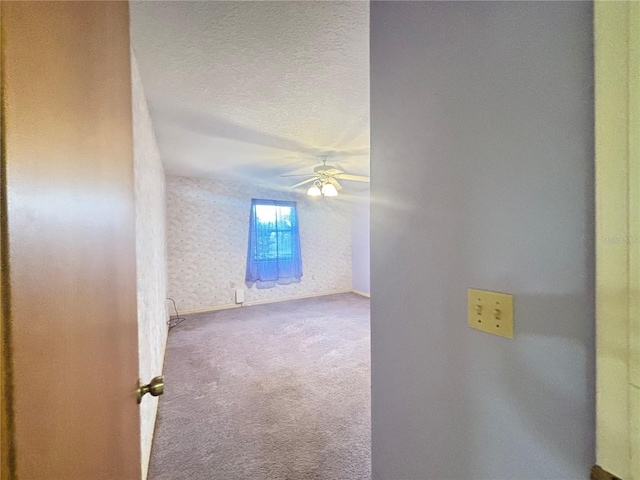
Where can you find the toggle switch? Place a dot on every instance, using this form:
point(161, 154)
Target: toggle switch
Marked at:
point(491, 312)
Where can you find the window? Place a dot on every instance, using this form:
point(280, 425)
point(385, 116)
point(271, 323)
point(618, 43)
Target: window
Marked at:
point(274, 243)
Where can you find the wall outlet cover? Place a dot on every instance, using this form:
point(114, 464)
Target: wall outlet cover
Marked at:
point(240, 295)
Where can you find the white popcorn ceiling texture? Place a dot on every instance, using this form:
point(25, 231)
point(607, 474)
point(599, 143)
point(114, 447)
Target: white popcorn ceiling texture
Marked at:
point(253, 90)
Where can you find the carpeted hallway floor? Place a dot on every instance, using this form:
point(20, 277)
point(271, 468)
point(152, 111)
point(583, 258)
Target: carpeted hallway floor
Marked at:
point(276, 391)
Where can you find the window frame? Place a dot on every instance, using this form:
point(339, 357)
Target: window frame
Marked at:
point(259, 256)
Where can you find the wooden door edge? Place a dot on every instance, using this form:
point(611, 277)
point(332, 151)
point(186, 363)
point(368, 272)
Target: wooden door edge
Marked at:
point(7, 452)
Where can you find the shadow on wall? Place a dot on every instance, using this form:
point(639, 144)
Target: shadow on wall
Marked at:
point(539, 376)
point(526, 398)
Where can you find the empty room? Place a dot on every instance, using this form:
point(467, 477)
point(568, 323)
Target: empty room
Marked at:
point(319, 240)
point(264, 143)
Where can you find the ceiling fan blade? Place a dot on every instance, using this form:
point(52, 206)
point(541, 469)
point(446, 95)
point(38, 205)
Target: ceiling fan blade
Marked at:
point(303, 182)
point(353, 178)
point(335, 183)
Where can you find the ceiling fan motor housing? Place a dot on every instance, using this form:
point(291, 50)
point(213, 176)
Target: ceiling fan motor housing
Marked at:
point(326, 170)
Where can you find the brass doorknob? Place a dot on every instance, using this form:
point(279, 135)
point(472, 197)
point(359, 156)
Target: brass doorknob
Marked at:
point(155, 388)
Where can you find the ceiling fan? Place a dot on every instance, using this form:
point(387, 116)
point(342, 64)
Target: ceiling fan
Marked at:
point(325, 180)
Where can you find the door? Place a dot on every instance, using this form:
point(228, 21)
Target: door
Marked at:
point(68, 242)
point(617, 153)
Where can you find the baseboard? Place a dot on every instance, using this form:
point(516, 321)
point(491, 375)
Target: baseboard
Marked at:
point(598, 473)
point(210, 309)
point(295, 297)
point(262, 302)
point(363, 294)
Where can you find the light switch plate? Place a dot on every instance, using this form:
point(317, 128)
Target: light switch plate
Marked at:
point(491, 312)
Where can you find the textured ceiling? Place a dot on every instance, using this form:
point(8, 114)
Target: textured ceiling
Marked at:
point(253, 90)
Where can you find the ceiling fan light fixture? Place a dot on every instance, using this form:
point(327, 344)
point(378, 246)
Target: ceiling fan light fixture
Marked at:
point(314, 191)
point(329, 190)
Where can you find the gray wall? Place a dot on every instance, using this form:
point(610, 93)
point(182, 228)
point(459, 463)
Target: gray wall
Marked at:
point(360, 246)
point(482, 176)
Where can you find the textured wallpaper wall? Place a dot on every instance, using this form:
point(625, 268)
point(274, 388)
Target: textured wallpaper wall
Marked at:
point(207, 232)
point(151, 255)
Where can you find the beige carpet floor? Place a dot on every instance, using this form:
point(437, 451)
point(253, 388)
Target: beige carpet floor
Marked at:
point(278, 391)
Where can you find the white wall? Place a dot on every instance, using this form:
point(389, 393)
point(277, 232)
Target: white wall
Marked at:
point(482, 176)
point(151, 256)
point(360, 249)
point(207, 234)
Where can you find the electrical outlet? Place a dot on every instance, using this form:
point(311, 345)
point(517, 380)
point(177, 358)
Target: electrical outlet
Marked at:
point(491, 312)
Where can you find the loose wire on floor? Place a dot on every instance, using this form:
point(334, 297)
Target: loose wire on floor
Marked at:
point(174, 320)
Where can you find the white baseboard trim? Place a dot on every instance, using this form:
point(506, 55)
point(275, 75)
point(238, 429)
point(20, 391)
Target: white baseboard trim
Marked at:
point(210, 309)
point(262, 302)
point(364, 294)
point(295, 297)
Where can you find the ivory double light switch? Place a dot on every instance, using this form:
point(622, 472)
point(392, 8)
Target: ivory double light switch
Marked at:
point(491, 312)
